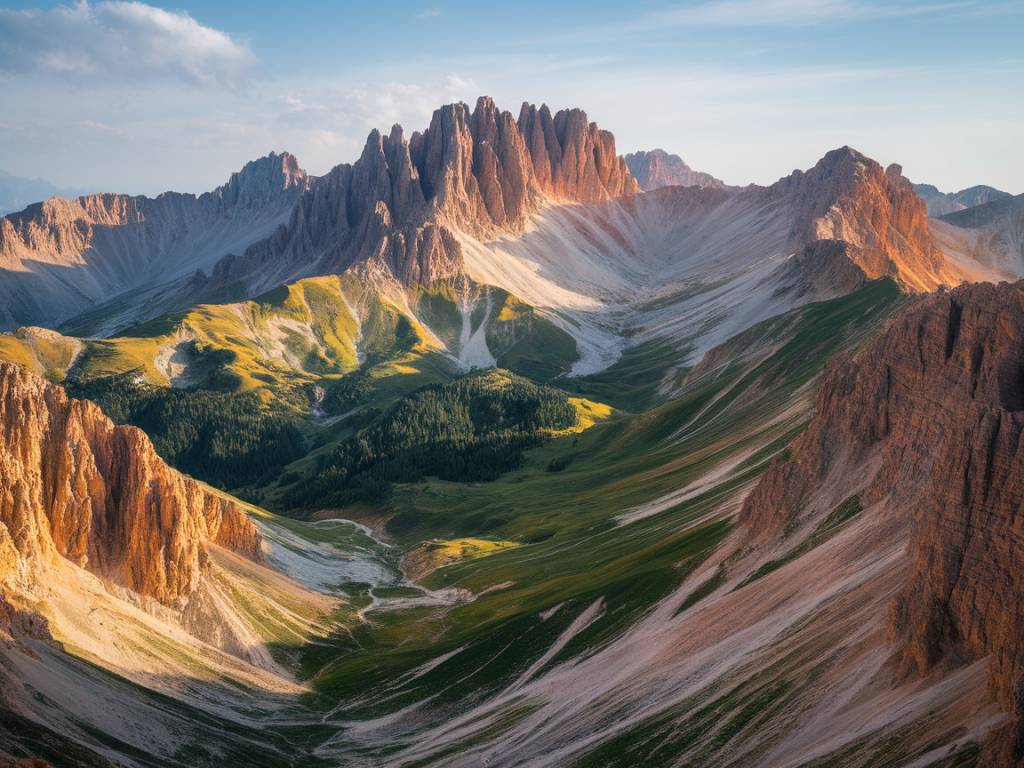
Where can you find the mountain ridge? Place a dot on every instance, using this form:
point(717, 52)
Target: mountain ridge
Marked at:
point(61, 256)
point(943, 203)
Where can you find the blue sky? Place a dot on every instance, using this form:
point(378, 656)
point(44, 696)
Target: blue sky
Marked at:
point(176, 95)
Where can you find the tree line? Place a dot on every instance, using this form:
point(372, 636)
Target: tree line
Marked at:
point(473, 429)
point(226, 439)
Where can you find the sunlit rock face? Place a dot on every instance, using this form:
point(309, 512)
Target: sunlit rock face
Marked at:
point(935, 409)
point(400, 207)
point(73, 485)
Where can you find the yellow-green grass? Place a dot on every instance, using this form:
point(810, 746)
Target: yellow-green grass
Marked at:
point(110, 357)
point(276, 345)
point(41, 351)
point(439, 553)
point(588, 413)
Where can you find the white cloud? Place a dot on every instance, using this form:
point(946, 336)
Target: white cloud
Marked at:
point(429, 13)
point(120, 42)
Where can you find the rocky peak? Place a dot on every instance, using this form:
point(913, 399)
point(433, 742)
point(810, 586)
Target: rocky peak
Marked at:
point(78, 487)
point(940, 203)
point(479, 171)
point(926, 424)
point(260, 181)
point(486, 168)
point(656, 168)
point(848, 196)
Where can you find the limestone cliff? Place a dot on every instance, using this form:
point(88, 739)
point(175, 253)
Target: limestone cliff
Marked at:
point(849, 197)
point(928, 421)
point(74, 485)
point(400, 207)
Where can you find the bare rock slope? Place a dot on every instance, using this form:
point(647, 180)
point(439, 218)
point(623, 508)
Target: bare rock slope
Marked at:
point(927, 423)
point(398, 207)
point(62, 256)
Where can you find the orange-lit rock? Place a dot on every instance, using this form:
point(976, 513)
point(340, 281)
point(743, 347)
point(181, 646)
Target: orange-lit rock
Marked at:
point(934, 409)
point(74, 485)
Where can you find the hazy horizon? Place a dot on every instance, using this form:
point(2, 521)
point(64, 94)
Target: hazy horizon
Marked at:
point(139, 98)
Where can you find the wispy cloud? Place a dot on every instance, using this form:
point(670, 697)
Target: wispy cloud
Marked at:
point(429, 13)
point(120, 41)
point(750, 14)
point(782, 13)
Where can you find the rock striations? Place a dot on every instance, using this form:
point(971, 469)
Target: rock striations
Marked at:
point(73, 485)
point(401, 206)
point(928, 422)
point(656, 168)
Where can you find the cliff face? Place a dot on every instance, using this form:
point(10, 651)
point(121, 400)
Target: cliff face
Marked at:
point(849, 197)
point(928, 420)
point(60, 256)
point(74, 485)
point(656, 168)
point(399, 207)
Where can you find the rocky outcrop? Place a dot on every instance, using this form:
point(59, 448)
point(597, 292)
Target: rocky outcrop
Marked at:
point(61, 256)
point(399, 209)
point(928, 421)
point(849, 197)
point(824, 269)
point(74, 485)
point(656, 168)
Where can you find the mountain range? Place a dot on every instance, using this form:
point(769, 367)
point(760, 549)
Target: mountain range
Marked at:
point(494, 447)
point(942, 203)
point(17, 192)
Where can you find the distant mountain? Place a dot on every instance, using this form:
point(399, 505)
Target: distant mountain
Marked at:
point(17, 192)
point(941, 203)
point(62, 256)
point(991, 233)
point(539, 206)
point(657, 168)
point(409, 201)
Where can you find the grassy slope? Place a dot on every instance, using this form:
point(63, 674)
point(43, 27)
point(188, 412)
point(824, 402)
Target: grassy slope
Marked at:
point(44, 353)
point(279, 344)
point(572, 553)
